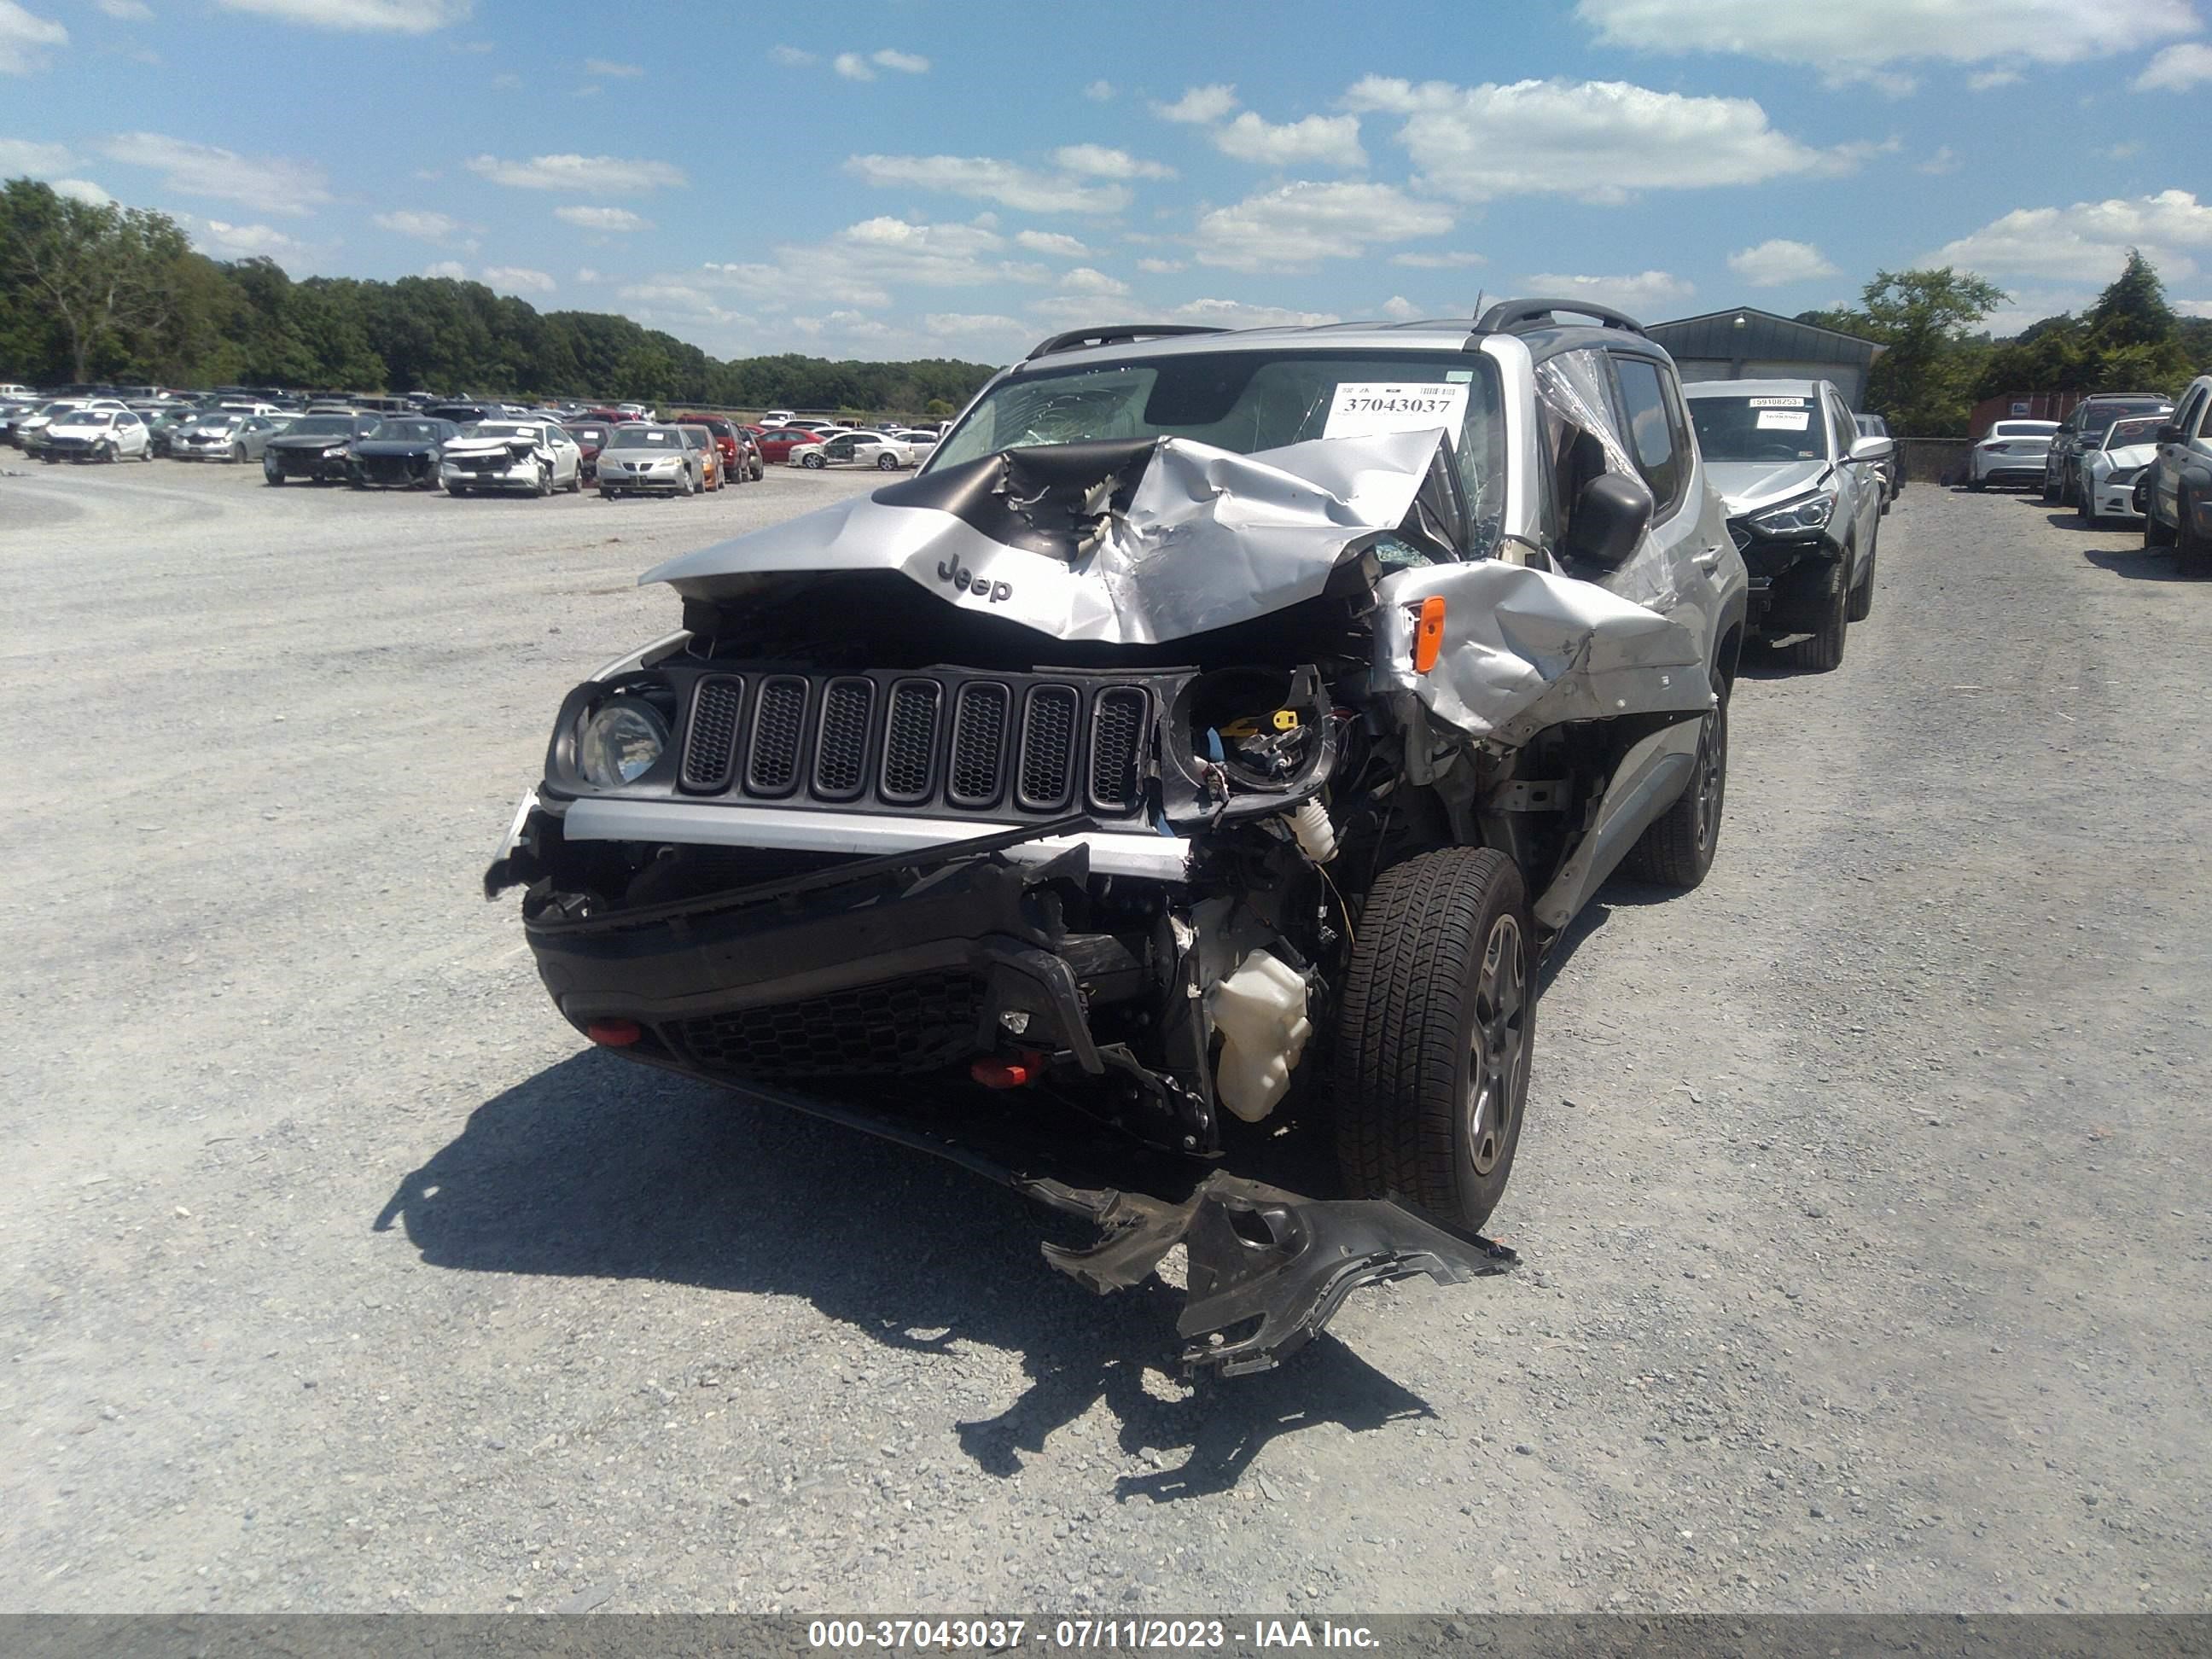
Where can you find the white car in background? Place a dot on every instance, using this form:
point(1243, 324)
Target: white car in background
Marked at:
point(877, 449)
point(922, 442)
point(539, 456)
point(31, 430)
point(97, 434)
point(2109, 472)
point(2010, 452)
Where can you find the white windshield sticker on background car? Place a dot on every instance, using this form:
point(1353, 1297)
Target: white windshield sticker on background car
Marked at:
point(1777, 403)
point(1785, 420)
point(1363, 409)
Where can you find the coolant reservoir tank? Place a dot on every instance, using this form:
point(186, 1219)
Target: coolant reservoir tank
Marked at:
point(1261, 1013)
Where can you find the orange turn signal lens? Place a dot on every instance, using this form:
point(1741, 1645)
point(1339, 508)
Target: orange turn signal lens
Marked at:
point(1428, 635)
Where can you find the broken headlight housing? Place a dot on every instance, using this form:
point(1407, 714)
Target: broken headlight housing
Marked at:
point(1808, 515)
point(620, 742)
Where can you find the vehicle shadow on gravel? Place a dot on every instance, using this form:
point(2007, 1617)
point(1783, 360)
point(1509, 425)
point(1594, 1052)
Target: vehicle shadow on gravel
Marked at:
point(2141, 564)
point(597, 1169)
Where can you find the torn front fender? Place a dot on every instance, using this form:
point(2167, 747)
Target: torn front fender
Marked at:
point(1267, 1268)
point(1524, 649)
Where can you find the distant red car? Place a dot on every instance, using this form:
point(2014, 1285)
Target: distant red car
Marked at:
point(737, 464)
point(591, 437)
point(776, 443)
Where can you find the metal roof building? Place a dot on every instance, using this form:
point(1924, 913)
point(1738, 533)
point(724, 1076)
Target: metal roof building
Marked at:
point(1746, 343)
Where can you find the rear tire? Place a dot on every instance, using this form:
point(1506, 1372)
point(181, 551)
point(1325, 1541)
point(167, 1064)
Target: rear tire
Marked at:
point(1434, 1035)
point(2191, 552)
point(1822, 652)
point(1677, 848)
point(1978, 485)
point(886, 463)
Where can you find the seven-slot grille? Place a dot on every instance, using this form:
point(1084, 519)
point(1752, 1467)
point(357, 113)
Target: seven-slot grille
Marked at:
point(1009, 745)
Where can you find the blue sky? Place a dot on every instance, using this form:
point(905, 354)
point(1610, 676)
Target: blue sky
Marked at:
point(918, 178)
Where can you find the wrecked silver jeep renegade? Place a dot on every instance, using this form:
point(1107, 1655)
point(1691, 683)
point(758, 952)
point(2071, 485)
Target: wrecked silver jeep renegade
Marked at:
point(1205, 744)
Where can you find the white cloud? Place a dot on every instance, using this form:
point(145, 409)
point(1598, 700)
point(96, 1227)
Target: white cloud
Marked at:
point(430, 226)
point(1643, 295)
point(2087, 242)
point(128, 11)
point(1597, 140)
point(1444, 261)
point(1084, 279)
point(449, 268)
point(1099, 92)
point(958, 325)
point(1945, 159)
point(862, 264)
point(517, 279)
point(23, 158)
point(587, 276)
point(904, 62)
point(986, 179)
point(1159, 267)
point(82, 190)
point(2176, 69)
point(612, 71)
point(1290, 228)
point(1330, 141)
point(1778, 261)
point(594, 175)
point(602, 218)
point(1235, 314)
point(1990, 80)
point(1842, 41)
point(2123, 150)
point(852, 66)
point(1052, 242)
point(1199, 106)
point(793, 56)
point(1400, 309)
point(1101, 163)
point(360, 16)
point(222, 241)
point(271, 184)
point(24, 38)
point(2194, 308)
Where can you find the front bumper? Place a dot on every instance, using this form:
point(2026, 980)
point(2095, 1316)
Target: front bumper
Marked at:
point(617, 475)
point(2111, 499)
point(395, 471)
point(316, 466)
point(1786, 574)
point(502, 475)
point(895, 970)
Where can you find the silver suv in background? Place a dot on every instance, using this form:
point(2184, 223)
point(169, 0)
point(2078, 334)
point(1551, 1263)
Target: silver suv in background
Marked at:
point(2010, 452)
point(1805, 491)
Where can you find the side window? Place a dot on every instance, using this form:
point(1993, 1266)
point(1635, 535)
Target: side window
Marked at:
point(1654, 430)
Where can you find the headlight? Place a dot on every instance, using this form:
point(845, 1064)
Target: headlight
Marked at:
point(620, 743)
point(1795, 517)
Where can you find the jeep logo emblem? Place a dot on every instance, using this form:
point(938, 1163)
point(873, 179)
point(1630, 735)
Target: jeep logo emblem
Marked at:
point(968, 582)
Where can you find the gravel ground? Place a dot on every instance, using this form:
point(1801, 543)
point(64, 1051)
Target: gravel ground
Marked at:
point(1863, 1198)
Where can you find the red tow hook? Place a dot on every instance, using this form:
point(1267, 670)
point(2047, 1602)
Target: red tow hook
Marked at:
point(613, 1033)
point(1018, 1072)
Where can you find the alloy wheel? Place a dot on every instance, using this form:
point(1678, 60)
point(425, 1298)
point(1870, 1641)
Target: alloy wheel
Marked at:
point(1500, 1051)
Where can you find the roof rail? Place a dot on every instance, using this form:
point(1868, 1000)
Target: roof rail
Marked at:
point(1118, 334)
point(1515, 316)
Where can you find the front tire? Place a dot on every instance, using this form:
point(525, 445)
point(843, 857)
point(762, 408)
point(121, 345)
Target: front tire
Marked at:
point(1862, 604)
point(2191, 552)
point(1822, 651)
point(1677, 848)
point(2154, 533)
point(812, 462)
point(1430, 1080)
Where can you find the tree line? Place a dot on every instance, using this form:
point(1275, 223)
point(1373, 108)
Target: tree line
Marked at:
point(1938, 366)
point(105, 293)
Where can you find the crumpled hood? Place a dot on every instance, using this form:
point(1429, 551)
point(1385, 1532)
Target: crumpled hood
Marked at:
point(1746, 486)
point(1120, 543)
point(491, 446)
point(2117, 460)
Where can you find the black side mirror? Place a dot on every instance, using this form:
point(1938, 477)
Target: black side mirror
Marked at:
point(1610, 519)
point(2169, 433)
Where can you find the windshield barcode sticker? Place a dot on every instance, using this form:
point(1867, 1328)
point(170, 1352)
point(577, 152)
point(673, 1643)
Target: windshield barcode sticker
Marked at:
point(1363, 407)
point(1785, 420)
point(1777, 403)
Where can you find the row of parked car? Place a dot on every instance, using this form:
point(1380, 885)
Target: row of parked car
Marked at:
point(2123, 457)
point(464, 447)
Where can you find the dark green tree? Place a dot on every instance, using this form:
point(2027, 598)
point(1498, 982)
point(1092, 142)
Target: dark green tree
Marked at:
point(97, 272)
